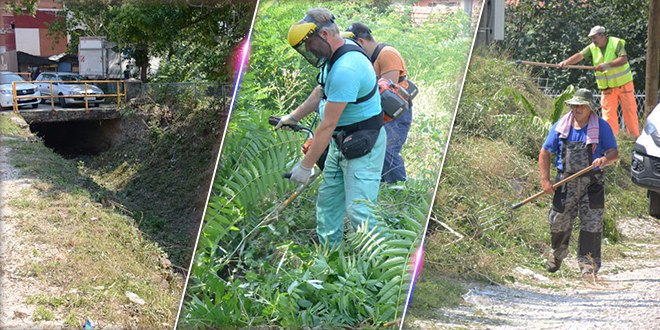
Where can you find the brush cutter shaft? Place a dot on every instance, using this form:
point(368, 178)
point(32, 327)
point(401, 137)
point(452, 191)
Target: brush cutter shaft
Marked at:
point(556, 185)
point(556, 66)
point(297, 192)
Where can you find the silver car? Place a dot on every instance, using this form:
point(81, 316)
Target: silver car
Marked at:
point(68, 84)
point(23, 89)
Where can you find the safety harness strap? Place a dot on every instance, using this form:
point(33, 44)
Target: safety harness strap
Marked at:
point(374, 56)
point(375, 122)
point(337, 54)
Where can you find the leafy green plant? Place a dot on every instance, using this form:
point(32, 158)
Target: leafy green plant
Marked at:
point(240, 279)
point(558, 106)
point(363, 281)
point(551, 32)
point(254, 267)
point(560, 103)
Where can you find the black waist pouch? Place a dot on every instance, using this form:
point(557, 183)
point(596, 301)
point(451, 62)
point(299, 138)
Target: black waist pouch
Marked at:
point(358, 143)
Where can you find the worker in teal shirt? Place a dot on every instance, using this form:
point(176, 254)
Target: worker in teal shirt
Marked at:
point(349, 105)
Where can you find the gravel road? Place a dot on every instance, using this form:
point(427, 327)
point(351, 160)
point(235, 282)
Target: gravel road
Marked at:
point(626, 295)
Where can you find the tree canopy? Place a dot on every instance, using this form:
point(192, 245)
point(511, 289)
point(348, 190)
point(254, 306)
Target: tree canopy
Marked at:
point(19, 7)
point(192, 39)
point(552, 31)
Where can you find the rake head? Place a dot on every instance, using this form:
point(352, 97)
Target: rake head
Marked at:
point(495, 215)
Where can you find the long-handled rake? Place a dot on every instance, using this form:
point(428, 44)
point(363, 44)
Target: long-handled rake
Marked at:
point(501, 213)
point(556, 66)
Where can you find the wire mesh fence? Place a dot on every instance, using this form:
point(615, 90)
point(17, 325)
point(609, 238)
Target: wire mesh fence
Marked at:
point(545, 85)
point(182, 92)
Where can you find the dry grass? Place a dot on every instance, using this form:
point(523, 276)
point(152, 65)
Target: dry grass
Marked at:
point(85, 253)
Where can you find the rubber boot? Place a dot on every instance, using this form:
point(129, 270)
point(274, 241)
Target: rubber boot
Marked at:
point(559, 242)
point(589, 252)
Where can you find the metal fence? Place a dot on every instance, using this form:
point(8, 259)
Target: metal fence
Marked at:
point(164, 93)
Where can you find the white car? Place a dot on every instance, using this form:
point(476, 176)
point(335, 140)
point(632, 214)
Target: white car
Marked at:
point(76, 87)
point(23, 89)
point(645, 168)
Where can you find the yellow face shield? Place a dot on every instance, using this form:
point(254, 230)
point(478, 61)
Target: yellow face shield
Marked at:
point(299, 33)
point(304, 38)
point(348, 34)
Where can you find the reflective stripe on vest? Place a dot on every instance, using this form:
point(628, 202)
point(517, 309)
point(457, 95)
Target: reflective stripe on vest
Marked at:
point(614, 77)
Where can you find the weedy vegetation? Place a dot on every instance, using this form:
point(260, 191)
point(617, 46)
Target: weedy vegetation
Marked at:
point(121, 221)
point(161, 171)
point(86, 253)
point(254, 268)
point(500, 126)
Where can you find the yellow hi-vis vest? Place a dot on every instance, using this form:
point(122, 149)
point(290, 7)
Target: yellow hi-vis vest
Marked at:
point(613, 77)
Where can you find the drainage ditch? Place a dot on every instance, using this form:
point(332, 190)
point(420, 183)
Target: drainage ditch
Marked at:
point(72, 139)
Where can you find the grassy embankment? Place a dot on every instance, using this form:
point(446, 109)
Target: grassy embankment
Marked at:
point(117, 220)
point(160, 173)
point(491, 158)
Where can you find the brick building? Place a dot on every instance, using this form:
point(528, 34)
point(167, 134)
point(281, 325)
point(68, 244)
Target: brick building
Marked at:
point(25, 43)
point(424, 8)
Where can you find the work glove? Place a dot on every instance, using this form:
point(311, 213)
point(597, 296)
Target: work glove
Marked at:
point(287, 120)
point(300, 174)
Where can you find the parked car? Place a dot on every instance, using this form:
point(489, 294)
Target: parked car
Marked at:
point(645, 167)
point(7, 95)
point(62, 87)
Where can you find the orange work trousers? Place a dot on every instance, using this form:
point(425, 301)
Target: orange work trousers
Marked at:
point(610, 102)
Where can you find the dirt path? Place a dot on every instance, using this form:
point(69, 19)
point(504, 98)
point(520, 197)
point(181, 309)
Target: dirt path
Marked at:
point(626, 294)
point(15, 282)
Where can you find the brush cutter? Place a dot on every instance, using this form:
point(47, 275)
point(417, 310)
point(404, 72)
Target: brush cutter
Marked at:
point(273, 120)
point(556, 66)
point(502, 212)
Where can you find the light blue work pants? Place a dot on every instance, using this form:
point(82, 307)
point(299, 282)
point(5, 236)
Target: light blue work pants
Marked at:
point(346, 181)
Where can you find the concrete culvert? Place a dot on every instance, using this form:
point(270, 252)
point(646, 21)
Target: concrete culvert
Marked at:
point(78, 138)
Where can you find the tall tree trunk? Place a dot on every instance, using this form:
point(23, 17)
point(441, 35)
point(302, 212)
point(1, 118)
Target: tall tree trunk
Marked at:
point(652, 57)
point(144, 66)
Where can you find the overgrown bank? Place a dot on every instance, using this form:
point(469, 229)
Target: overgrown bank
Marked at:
point(493, 157)
point(161, 170)
point(265, 269)
point(105, 237)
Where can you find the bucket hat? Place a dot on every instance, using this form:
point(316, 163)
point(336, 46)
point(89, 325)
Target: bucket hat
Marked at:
point(583, 96)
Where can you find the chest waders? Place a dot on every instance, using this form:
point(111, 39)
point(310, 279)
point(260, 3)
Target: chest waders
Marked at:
point(583, 197)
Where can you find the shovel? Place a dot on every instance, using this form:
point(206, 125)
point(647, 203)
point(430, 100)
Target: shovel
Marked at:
point(498, 213)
